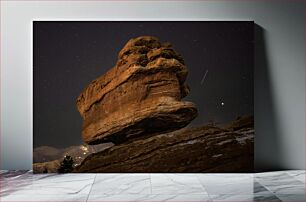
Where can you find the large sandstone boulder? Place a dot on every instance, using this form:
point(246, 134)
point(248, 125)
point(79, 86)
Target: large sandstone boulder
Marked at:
point(140, 96)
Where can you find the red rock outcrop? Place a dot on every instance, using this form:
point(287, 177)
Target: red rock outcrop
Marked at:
point(200, 149)
point(140, 96)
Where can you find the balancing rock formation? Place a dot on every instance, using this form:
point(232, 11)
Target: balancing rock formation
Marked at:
point(140, 96)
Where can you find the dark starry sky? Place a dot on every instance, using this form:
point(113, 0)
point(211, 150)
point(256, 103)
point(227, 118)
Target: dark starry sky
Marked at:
point(69, 55)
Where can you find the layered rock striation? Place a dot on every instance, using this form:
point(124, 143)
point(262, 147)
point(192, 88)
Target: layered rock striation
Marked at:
point(140, 96)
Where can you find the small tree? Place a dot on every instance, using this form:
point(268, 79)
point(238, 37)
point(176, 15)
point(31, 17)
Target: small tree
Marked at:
point(66, 165)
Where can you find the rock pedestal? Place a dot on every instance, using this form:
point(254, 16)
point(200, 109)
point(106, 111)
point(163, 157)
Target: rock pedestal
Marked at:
point(191, 150)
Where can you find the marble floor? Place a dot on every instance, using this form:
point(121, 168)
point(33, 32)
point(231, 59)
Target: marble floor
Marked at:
point(269, 186)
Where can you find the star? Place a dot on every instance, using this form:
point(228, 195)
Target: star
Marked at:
point(222, 103)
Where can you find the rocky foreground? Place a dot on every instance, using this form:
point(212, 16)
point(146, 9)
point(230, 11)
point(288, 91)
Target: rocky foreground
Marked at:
point(202, 149)
point(207, 148)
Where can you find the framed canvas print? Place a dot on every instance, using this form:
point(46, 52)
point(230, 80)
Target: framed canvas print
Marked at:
point(143, 96)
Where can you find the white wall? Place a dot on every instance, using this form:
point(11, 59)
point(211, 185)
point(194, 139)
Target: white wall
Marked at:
point(279, 69)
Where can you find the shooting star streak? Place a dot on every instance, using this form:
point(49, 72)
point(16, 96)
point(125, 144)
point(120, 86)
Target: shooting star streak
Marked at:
point(203, 79)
